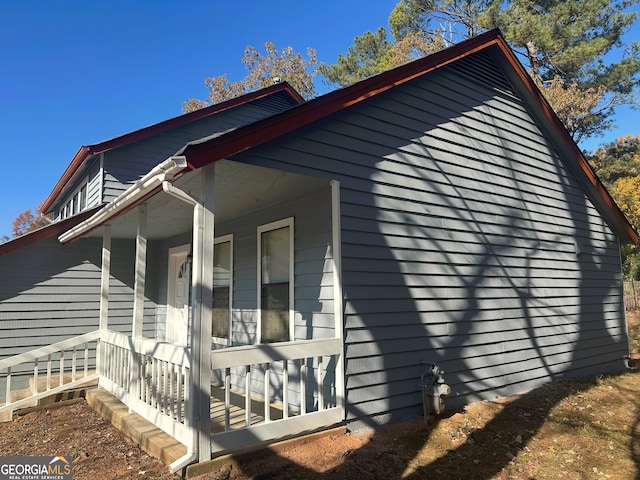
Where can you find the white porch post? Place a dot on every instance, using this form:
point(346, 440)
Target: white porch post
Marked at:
point(105, 271)
point(203, 247)
point(140, 272)
point(138, 299)
point(104, 279)
point(336, 240)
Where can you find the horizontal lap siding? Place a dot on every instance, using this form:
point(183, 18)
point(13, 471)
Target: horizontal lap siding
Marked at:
point(126, 165)
point(313, 275)
point(465, 240)
point(50, 292)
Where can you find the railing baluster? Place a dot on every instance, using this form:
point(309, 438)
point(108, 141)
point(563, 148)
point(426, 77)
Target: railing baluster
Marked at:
point(165, 387)
point(48, 372)
point(285, 389)
point(8, 387)
point(61, 368)
point(227, 399)
point(172, 402)
point(74, 363)
point(187, 393)
point(320, 382)
point(247, 396)
point(303, 386)
point(35, 376)
point(179, 394)
point(86, 358)
point(267, 392)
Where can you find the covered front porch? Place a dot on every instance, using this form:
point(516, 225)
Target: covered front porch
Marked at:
point(227, 332)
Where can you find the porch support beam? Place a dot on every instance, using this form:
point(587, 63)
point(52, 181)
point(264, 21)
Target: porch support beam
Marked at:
point(203, 247)
point(104, 277)
point(105, 273)
point(201, 307)
point(336, 255)
point(140, 272)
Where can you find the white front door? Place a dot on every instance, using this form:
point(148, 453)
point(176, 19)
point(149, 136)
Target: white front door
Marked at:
point(179, 287)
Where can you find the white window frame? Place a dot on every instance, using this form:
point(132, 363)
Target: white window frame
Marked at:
point(222, 340)
point(286, 222)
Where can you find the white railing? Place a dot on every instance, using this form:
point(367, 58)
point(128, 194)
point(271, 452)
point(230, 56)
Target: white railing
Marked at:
point(297, 380)
point(49, 370)
point(152, 379)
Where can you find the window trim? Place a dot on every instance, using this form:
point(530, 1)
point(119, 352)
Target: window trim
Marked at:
point(221, 340)
point(286, 222)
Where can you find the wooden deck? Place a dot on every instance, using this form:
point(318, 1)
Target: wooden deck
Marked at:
point(237, 411)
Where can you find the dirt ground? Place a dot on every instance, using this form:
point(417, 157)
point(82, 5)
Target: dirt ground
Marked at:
point(584, 429)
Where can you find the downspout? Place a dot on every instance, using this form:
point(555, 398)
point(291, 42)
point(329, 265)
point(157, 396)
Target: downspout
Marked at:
point(192, 451)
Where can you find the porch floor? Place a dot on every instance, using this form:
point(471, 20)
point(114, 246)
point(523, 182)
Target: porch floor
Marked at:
point(237, 411)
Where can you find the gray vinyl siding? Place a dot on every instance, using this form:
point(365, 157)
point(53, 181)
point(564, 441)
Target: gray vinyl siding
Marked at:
point(50, 292)
point(125, 166)
point(94, 186)
point(465, 240)
point(313, 274)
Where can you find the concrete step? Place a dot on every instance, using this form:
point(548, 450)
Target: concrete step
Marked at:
point(150, 438)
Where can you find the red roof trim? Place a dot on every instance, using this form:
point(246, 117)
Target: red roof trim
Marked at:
point(568, 144)
point(45, 232)
point(262, 131)
point(85, 152)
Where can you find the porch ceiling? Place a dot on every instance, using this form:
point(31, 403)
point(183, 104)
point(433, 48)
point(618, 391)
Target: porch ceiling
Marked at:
point(239, 189)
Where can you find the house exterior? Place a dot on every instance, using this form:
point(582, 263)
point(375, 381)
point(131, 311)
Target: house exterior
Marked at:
point(313, 255)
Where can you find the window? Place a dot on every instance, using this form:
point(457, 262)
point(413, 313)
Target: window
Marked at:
point(275, 277)
point(76, 204)
point(83, 197)
point(222, 286)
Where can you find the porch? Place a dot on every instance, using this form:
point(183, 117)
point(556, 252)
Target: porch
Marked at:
point(276, 368)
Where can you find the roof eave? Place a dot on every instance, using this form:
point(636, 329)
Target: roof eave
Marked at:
point(85, 152)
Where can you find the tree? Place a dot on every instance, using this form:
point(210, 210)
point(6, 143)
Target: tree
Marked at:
point(263, 70)
point(617, 160)
point(618, 166)
point(568, 46)
point(27, 222)
point(373, 53)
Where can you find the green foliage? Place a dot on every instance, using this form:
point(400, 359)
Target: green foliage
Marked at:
point(618, 166)
point(616, 160)
point(369, 55)
point(631, 262)
point(573, 49)
point(575, 40)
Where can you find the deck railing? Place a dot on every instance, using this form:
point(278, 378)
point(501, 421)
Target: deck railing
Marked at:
point(152, 379)
point(31, 376)
point(284, 389)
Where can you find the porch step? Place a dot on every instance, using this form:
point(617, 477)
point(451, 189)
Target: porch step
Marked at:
point(150, 438)
point(65, 396)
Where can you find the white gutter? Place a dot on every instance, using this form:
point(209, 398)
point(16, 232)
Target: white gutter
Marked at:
point(160, 173)
point(183, 461)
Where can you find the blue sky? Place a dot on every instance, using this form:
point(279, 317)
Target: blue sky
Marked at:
point(76, 72)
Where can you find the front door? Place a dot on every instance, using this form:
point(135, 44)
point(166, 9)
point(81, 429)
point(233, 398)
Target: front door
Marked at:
point(179, 287)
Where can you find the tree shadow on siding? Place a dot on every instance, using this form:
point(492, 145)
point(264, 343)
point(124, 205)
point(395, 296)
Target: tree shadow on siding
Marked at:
point(482, 247)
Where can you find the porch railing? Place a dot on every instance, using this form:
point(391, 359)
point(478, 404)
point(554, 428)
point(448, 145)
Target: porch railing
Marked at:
point(152, 379)
point(31, 376)
point(263, 377)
